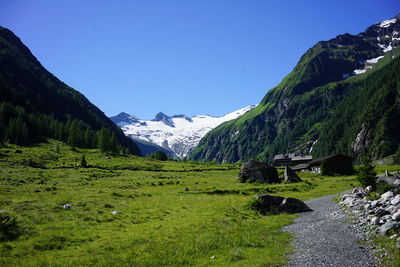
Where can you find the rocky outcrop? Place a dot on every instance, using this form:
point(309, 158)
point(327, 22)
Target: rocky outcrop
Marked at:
point(255, 171)
point(267, 204)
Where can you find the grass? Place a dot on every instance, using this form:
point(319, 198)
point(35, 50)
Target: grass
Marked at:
point(171, 213)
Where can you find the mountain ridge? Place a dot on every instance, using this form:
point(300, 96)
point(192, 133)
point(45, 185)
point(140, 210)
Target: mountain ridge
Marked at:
point(291, 115)
point(178, 133)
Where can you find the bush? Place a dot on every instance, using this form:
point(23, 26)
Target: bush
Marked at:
point(383, 187)
point(83, 163)
point(366, 174)
point(9, 227)
point(159, 155)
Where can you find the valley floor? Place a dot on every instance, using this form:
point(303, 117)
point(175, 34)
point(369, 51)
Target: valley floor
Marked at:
point(132, 211)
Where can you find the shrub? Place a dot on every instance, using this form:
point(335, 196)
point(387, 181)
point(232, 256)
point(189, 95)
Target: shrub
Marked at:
point(366, 174)
point(83, 163)
point(159, 155)
point(383, 187)
point(9, 227)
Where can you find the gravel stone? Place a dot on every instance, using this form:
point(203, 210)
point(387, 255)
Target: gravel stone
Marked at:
point(324, 237)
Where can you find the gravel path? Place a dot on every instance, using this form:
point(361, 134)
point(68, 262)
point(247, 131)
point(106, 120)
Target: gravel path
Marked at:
point(323, 237)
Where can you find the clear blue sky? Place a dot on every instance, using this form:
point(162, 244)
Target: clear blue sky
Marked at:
point(189, 56)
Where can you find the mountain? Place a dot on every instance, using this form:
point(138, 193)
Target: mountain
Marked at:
point(123, 119)
point(343, 96)
point(178, 133)
point(35, 104)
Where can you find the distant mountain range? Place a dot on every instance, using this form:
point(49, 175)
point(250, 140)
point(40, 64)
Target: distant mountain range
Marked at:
point(343, 96)
point(177, 134)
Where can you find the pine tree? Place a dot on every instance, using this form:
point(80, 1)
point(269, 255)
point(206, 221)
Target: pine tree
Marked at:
point(366, 174)
point(83, 163)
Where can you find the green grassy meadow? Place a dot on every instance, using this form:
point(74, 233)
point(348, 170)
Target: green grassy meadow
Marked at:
point(170, 213)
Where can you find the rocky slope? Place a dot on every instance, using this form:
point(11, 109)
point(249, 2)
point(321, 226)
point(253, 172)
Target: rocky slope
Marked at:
point(342, 97)
point(178, 133)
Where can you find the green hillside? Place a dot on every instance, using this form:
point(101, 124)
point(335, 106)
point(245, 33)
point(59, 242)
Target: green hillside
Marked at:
point(321, 107)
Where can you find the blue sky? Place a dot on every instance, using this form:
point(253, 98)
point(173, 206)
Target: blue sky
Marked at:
point(191, 57)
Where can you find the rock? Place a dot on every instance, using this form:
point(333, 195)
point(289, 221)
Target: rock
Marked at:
point(68, 207)
point(348, 202)
point(392, 209)
point(290, 175)
point(395, 200)
point(368, 189)
point(267, 204)
point(255, 171)
point(386, 196)
point(381, 212)
point(393, 236)
point(387, 173)
point(115, 212)
point(358, 191)
point(293, 205)
point(396, 216)
point(388, 226)
point(367, 206)
point(374, 204)
point(375, 220)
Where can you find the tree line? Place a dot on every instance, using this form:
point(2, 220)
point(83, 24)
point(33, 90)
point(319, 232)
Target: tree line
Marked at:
point(20, 127)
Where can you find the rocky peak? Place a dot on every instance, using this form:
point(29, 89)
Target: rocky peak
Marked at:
point(164, 118)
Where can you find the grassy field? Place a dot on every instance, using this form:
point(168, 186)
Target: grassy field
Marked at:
point(170, 213)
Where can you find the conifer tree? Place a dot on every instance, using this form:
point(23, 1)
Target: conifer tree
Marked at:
point(366, 174)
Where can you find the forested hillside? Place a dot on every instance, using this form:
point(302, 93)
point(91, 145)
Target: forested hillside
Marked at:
point(34, 104)
point(342, 97)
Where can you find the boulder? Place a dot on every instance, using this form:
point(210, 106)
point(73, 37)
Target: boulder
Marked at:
point(267, 204)
point(375, 220)
point(386, 196)
point(293, 205)
point(255, 171)
point(395, 200)
point(396, 216)
point(386, 227)
point(290, 176)
point(68, 207)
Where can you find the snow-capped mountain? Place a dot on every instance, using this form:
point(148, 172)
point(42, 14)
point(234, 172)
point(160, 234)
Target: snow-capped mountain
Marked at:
point(178, 133)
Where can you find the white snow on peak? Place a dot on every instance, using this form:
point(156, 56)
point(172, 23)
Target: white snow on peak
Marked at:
point(184, 136)
point(386, 23)
point(374, 60)
point(388, 48)
point(356, 72)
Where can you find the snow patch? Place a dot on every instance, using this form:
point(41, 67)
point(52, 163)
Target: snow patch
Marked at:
point(387, 23)
point(356, 72)
point(387, 49)
point(374, 60)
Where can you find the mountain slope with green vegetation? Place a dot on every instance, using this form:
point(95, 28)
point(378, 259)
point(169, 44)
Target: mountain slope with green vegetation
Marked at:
point(342, 97)
point(35, 104)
